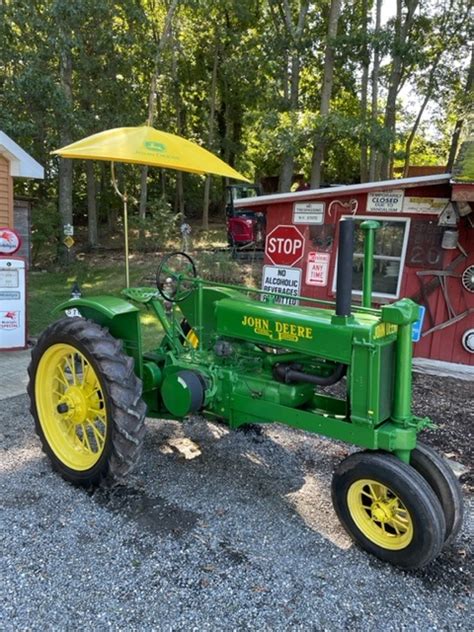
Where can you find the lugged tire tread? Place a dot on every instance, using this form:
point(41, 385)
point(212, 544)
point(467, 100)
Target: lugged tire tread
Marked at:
point(124, 389)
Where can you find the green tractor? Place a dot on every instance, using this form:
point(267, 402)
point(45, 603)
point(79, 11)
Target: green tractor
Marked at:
point(239, 354)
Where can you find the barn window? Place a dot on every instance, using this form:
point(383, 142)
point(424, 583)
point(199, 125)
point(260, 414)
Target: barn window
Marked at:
point(389, 256)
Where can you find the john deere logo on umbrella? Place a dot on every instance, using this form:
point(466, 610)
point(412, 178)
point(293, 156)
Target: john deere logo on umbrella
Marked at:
point(155, 146)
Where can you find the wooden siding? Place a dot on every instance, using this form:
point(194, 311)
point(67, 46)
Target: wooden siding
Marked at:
point(6, 194)
point(444, 344)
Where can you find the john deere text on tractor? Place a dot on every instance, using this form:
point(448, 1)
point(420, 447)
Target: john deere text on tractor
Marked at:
point(228, 354)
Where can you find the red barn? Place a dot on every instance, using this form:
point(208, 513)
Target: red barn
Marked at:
point(424, 249)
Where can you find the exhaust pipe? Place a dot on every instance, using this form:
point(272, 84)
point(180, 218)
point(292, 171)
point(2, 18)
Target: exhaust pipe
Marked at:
point(289, 373)
point(345, 261)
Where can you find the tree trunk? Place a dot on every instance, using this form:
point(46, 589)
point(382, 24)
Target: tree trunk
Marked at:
point(210, 136)
point(179, 192)
point(293, 34)
point(363, 96)
point(65, 171)
point(92, 232)
point(375, 95)
point(460, 122)
point(288, 160)
point(411, 137)
point(402, 29)
point(152, 102)
point(319, 148)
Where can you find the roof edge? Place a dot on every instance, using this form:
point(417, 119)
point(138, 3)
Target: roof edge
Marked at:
point(346, 189)
point(21, 163)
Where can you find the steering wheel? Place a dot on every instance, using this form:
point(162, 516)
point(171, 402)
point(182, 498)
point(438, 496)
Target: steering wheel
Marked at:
point(175, 277)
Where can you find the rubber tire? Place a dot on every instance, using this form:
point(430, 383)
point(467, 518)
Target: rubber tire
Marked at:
point(445, 485)
point(122, 393)
point(417, 496)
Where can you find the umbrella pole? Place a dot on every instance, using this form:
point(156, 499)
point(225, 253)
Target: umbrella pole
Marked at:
point(125, 229)
point(124, 198)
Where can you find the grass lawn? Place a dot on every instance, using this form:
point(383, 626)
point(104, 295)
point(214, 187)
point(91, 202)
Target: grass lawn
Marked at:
point(105, 274)
point(48, 289)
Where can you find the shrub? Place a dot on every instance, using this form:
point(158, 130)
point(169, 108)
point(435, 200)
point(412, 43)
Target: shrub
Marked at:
point(159, 226)
point(45, 233)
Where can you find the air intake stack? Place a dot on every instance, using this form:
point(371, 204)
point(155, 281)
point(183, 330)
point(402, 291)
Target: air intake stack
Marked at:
point(345, 262)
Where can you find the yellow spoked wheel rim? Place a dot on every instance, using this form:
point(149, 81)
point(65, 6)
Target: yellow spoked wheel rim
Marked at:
point(71, 407)
point(380, 514)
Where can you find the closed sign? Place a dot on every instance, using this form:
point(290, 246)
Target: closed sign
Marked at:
point(385, 202)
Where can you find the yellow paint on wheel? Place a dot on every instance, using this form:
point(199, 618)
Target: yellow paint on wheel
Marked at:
point(71, 407)
point(380, 514)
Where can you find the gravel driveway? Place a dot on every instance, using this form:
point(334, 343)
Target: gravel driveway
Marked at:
point(242, 537)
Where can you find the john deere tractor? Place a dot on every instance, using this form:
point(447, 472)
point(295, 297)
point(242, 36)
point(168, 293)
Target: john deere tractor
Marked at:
point(241, 355)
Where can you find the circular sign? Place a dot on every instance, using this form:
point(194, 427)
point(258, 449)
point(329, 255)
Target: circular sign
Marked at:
point(468, 340)
point(284, 245)
point(10, 241)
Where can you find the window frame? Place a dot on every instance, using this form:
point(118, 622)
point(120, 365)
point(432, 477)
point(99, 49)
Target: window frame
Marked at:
point(385, 218)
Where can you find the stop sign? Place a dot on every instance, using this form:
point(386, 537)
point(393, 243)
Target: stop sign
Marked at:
point(284, 245)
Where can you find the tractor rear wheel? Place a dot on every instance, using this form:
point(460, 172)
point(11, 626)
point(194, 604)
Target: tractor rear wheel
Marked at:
point(444, 484)
point(388, 509)
point(86, 403)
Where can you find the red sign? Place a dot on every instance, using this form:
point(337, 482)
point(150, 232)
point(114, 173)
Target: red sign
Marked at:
point(284, 245)
point(9, 241)
point(317, 268)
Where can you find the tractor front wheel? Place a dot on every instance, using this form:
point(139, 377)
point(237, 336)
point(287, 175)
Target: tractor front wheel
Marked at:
point(388, 509)
point(444, 483)
point(86, 403)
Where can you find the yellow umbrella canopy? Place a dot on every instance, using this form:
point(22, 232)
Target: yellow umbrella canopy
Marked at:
point(146, 145)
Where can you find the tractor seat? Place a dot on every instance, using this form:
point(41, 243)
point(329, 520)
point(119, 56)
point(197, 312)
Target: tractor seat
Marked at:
point(140, 294)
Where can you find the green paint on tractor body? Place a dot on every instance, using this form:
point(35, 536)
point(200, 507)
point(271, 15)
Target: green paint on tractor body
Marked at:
point(239, 354)
point(240, 340)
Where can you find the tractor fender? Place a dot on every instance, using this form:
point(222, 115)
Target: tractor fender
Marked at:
point(121, 318)
point(108, 307)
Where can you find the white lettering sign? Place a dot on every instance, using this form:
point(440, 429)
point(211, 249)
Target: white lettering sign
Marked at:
point(317, 268)
point(436, 206)
point(12, 304)
point(8, 278)
point(283, 281)
point(10, 319)
point(385, 202)
point(283, 245)
point(308, 213)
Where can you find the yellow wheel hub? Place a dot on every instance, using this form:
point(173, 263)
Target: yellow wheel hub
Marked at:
point(71, 406)
point(380, 514)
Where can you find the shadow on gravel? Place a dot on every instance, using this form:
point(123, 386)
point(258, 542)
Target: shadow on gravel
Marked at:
point(452, 570)
point(154, 515)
